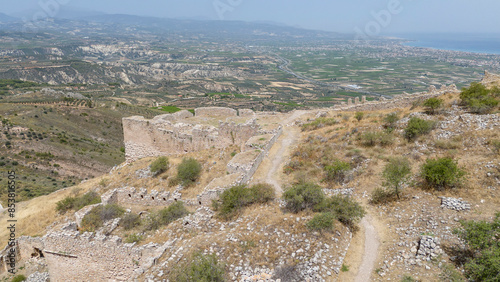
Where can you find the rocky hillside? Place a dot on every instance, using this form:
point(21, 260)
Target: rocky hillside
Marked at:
point(415, 169)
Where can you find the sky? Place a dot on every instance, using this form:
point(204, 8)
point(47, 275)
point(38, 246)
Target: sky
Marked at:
point(368, 16)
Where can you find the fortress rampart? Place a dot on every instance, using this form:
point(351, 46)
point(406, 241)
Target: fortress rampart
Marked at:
point(174, 133)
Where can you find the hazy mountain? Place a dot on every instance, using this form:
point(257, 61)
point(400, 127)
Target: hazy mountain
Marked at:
point(5, 18)
point(214, 27)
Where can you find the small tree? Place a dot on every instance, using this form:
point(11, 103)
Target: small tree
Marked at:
point(160, 165)
point(396, 173)
point(441, 173)
point(433, 104)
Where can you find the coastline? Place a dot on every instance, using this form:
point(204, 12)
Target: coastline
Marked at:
point(487, 44)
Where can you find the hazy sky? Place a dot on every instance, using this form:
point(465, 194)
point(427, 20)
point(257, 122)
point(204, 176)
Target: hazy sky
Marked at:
point(397, 16)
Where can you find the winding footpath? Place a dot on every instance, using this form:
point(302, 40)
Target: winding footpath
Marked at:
point(290, 136)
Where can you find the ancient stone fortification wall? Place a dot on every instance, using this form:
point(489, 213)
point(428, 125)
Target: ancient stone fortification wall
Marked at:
point(72, 256)
point(169, 134)
point(215, 112)
point(399, 101)
point(248, 175)
point(130, 196)
point(490, 78)
point(242, 167)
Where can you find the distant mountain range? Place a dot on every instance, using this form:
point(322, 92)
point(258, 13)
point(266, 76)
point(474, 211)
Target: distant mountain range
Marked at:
point(240, 30)
point(235, 28)
point(5, 18)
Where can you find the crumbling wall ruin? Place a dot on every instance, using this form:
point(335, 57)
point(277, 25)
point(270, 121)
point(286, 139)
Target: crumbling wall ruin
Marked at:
point(71, 256)
point(171, 134)
point(399, 101)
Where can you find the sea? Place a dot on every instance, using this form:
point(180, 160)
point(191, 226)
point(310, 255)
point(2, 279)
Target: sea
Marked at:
point(475, 43)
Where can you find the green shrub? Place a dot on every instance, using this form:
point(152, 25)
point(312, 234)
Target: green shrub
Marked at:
point(370, 138)
point(65, 204)
point(481, 239)
point(201, 268)
point(337, 171)
point(18, 278)
point(237, 197)
point(188, 171)
point(130, 220)
point(417, 127)
point(262, 193)
point(287, 273)
point(359, 116)
point(396, 173)
point(433, 104)
point(321, 222)
point(386, 139)
point(495, 145)
point(478, 99)
point(441, 173)
point(98, 215)
point(450, 273)
point(76, 203)
point(133, 238)
point(232, 200)
point(381, 196)
point(408, 278)
point(303, 195)
point(159, 166)
point(343, 208)
point(391, 120)
point(292, 166)
point(87, 199)
point(165, 216)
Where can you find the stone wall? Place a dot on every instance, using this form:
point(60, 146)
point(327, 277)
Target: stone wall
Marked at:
point(71, 256)
point(130, 196)
point(399, 101)
point(215, 112)
point(490, 79)
point(170, 134)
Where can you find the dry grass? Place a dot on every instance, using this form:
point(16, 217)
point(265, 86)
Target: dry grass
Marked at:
point(213, 163)
point(35, 215)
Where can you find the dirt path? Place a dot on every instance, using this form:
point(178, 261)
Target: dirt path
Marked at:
point(290, 136)
point(370, 253)
point(270, 170)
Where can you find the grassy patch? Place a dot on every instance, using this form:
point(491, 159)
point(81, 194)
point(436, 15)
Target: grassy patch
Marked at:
point(169, 109)
point(76, 203)
point(319, 123)
point(98, 215)
point(235, 198)
point(165, 216)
